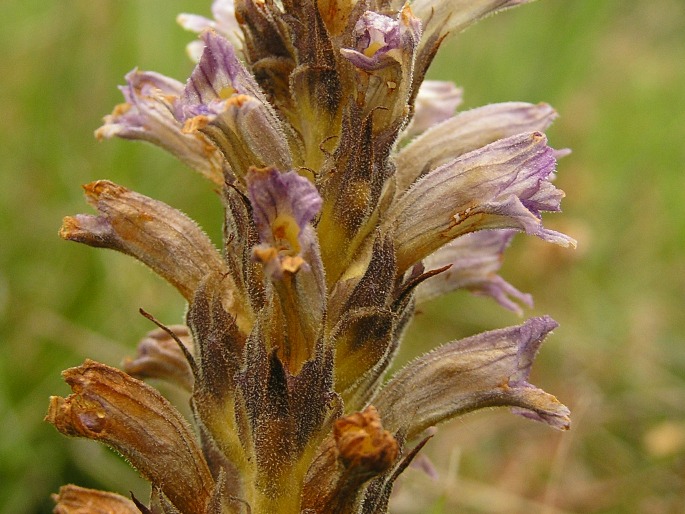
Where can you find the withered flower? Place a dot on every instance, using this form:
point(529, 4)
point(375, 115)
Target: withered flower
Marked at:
point(352, 192)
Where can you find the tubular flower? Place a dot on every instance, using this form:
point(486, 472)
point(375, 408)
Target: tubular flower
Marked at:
point(352, 191)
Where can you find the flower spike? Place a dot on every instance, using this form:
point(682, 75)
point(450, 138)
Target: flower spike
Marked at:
point(352, 192)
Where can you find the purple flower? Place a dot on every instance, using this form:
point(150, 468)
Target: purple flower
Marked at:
point(283, 205)
point(502, 185)
point(473, 261)
point(485, 370)
point(435, 102)
point(381, 41)
point(147, 116)
point(223, 101)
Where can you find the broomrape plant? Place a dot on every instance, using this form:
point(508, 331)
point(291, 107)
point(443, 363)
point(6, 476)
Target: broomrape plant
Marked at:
point(352, 193)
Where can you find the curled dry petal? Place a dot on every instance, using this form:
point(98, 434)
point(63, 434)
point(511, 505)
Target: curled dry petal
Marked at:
point(503, 185)
point(218, 75)
point(474, 260)
point(486, 370)
point(73, 499)
point(110, 406)
point(159, 356)
point(465, 132)
point(364, 448)
point(160, 236)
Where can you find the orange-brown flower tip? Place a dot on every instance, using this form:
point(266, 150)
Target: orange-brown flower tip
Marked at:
point(406, 13)
point(237, 100)
point(292, 264)
point(121, 108)
point(264, 254)
point(72, 499)
point(262, 171)
point(70, 226)
point(54, 410)
point(195, 123)
point(363, 444)
point(98, 188)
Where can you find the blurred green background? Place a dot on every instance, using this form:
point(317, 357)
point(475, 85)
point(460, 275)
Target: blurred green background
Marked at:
point(615, 71)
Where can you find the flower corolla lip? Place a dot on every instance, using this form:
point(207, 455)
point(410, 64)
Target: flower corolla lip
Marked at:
point(505, 184)
point(381, 40)
point(487, 369)
point(283, 205)
point(147, 115)
point(473, 261)
point(223, 101)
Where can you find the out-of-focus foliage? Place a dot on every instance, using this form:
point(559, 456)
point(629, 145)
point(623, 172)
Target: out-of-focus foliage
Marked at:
point(613, 70)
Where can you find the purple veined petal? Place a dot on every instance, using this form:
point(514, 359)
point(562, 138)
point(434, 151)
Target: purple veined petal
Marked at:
point(283, 206)
point(223, 101)
point(149, 83)
point(147, 116)
point(486, 370)
point(435, 102)
point(218, 75)
point(465, 132)
point(145, 109)
point(502, 185)
point(475, 260)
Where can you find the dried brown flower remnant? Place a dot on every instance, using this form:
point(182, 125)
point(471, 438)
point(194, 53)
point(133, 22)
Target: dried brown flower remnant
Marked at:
point(112, 407)
point(364, 446)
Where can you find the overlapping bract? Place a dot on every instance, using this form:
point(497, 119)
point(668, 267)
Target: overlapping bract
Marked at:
point(338, 219)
